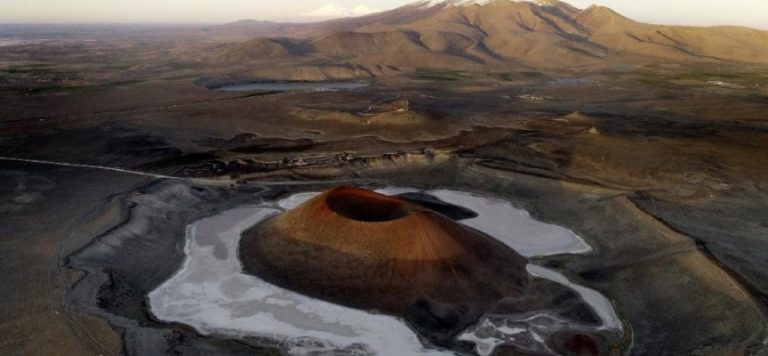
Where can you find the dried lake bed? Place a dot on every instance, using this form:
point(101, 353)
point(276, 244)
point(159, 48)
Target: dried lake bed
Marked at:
point(212, 294)
point(650, 277)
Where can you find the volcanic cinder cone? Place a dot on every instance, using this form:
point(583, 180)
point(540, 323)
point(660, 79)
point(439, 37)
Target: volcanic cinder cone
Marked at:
point(370, 251)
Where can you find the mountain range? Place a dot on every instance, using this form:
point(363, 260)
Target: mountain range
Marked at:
point(334, 10)
point(488, 34)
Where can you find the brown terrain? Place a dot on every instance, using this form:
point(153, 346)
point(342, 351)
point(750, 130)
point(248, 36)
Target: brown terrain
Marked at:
point(496, 36)
point(408, 260)
point(649, 141)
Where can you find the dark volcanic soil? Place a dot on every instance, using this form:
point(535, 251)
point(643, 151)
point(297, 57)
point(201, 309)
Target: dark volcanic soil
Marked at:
point(666, 179)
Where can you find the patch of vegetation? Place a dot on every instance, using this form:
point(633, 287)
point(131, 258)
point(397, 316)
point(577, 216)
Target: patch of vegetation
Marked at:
point(506, 77)
point(654, 77)
point(85, 88)
point(518, 75)
point(532, 74)
point(183, 160)
point(647, 81)
point(173, 64)
point(300, 146)
point(316, 62)
point(121, 66)
point(28, 69)
point(180, 77)
point(439, 74)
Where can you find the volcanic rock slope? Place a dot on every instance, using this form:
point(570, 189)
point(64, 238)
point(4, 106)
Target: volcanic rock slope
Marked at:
point(365, 250)
point(402, 253)
point(494, 33)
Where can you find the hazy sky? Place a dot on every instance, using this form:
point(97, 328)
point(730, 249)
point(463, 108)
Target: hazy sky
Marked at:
point(752, 13)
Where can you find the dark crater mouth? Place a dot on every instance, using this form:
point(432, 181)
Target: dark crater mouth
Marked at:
point(366, 207)
point(452, 211)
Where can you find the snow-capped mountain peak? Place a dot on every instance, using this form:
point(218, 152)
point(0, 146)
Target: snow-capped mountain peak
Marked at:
point(334, 10)
point(463, 3)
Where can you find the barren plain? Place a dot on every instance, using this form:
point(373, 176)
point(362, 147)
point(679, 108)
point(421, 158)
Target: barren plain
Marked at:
point(113, 141)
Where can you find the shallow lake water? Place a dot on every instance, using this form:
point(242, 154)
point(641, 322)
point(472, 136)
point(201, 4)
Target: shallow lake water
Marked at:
point(497, 218)
point(6, 41)
point(212, 294)
point(293, 86)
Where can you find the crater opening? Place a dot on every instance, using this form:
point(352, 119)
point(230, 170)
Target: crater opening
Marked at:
point(360, 205)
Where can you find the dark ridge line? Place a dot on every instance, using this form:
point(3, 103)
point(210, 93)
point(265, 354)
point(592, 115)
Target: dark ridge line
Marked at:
point(570, 19)
point(65, 262)
point(550, 22)
point(127, 211)
point(759, 297)
point(126, 208)
point(64, 116)
point(540, 172)
point(675, 47)
point(465, 21)
point(754, 292)
point(415, 37)
point(676, 42)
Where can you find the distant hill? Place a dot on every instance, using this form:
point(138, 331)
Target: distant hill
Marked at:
point(465, 34)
